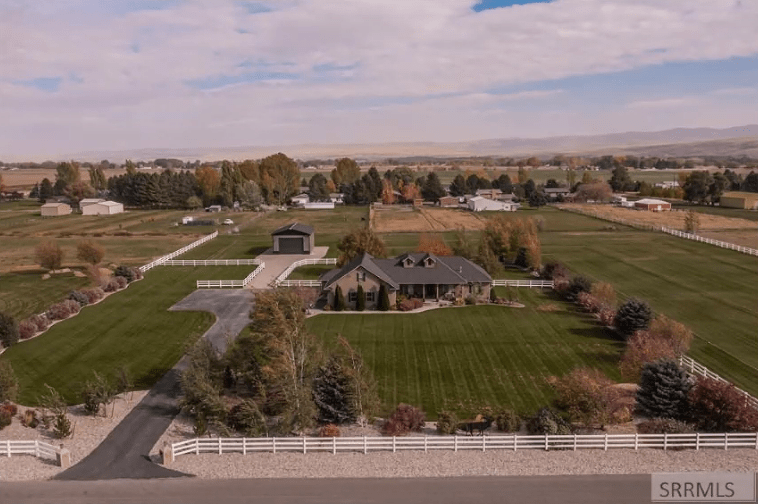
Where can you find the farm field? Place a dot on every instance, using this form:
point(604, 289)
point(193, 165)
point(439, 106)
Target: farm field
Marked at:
point(746, 238)
point(26, 178)
point(464, 358)
point(403, 219)
point(722, 211)
point(131, 328)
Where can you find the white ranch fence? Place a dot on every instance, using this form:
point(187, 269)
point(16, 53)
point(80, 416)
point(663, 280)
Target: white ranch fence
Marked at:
point(281, 280)
point(514, 442)
point(544, 284)
point(161, 260)
point(213, 262)
point(234, 284)
point(694, 368)
point(673, 232)
point(36, 448)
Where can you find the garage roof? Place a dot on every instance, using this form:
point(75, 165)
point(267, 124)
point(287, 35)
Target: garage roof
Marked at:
point(294, 228)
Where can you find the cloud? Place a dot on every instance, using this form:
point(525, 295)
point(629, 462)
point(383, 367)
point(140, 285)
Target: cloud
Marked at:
point(664, 103)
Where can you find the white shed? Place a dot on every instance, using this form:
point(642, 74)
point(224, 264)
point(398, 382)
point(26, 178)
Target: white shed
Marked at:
point(480, 204)
point(300, 200)
point(55, 209)
point(89, 201)
point(103, 208)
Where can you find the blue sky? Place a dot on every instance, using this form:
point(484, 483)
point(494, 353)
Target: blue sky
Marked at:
point(131, 74)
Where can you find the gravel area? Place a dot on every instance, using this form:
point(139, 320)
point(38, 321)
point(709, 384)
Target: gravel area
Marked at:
point(88, 432)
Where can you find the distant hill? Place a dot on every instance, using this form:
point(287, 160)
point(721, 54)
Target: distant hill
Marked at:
point(679, 142)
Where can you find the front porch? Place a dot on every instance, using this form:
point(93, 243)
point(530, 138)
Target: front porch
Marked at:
point(431, 292)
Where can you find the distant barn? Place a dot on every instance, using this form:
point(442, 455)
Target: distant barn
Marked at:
point(738, 199)
point(653, 205)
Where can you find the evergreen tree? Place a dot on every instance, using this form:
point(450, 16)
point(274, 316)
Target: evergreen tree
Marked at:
point(45, 190)
point(503, 183)
point(377, 182)
point(458, 187)
point(432, 189)
point(339, 299)
point(632, 316)
point(663, 391)
point(333, 394)
point(34, 193)
point(360, 303)
point(384, 299)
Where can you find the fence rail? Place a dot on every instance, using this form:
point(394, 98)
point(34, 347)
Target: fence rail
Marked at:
point(36, 448)
point(279, 281)
point(212, 262)
point(233, 284)
point(694, 368)
point(663, 229)
point(545, 284)
point(515, 442)
point(161, 260)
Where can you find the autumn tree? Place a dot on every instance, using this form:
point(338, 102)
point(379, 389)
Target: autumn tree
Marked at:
point(346, 171)
point(357, 242)
point(718, 406)
point(67, 174)
point(587, 395)
point(691, 221)
point(279, 178)
point(594, 191)
point(89, 252)
point(388, 192)
point(209, 181)
point(433, 244)
point(49, 255)
point(97, 178)
point(411, 192)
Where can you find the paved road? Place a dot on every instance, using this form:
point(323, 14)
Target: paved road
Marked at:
point(631, 489)
point(277, 263)
point(124, 453)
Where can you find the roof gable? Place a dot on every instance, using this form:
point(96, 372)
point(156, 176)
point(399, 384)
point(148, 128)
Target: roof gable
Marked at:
point(294, 228)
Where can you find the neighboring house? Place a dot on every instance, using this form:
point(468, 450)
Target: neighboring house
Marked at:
point(417, 274)
point(213, 208)
point(739, 199)
point(89, 201)
point(653, 205)
point(300, 200)
point(480, 204)
point(187, 220)
point(319, 205)
point(336, 198)
point(103, 208)
point(489, 193)
point(669, 184)
point(55, 209)
point(294, 238)
point(552, 193)
point(449, 202)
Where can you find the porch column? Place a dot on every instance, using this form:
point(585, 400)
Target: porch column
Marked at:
point(438, 291)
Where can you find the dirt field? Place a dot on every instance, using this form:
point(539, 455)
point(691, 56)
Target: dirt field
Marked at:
point(673, 219)
point(746, 238)
point(398, 219)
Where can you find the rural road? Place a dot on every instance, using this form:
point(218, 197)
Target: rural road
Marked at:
point(124, 453)
point(618, 489)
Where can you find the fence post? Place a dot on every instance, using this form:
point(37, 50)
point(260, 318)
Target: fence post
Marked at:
point(425, 449)
point(36, 448)
point(574, 441)
point(515, 441)
point(393, 444)
point(756, 440)
point(665, 441)
point(334, 446)
point(546, 436)
point(197, 446)
point(726, 440)
point(484, 443)
point(636, 441)
point(697, 441)
point(220, 451)
point(273, 444)
point(304, 448)
point(455, 444)
point(365, 446)
point(8, 447)
point(605, 446)
point(244, 446)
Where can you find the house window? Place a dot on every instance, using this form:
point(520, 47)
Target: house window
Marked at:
point(370, 297)
point(361, 276)
point(352, 297)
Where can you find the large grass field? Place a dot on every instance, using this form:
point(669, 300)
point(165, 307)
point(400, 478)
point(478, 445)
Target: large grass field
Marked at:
point(465, 358)
point(131, 328)
point(26, 293)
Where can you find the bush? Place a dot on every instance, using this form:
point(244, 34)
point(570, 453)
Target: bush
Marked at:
point(30, 419)
point(717, 406)
point(470, 300)
point(339, 299)
point(126, 272)
point(26, 329)
point(640, 349)
point(404, 419)
point(89, 252)
point(111, 285)
point(79, 297)
point(360, 302)
point(664, 426)
point(246, 418)
point(604, 295)
point(94, 295)
point(577, 285)
point(508, 421)
point(5, 419)
point(8, 382)
point(663, 391)
point(121, 282)
point(632, 316)
point(606, 316)
point(73, 306)
point(59, 311)
point(41, 321)
point(384, 299)
point(62, 426)
point(493, 296)
point(547, 421)
point(49, 255)
point(586, 395)
point(410, 304)
point(675, 334)
point(329, 430)
point(554, 271)
point(9, 408)
point(587, 301)
point(447, 422)
point(8, 330)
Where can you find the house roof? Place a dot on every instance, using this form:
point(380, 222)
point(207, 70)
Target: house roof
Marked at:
point(448, 270)
point(53, 205)
point(651, 201)
point(294, 228)
point(740, 194)
point(91, 200)
point(557, 190)
point(109, 203)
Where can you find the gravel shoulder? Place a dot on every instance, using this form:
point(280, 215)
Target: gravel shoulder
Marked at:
point(88, 433)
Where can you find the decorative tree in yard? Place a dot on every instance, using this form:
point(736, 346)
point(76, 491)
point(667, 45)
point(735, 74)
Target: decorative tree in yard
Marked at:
point(9, 333)
point(49, 255)
point(384, 299)
point(360, 303)
point(663, 391)
point(632, 316)
point(339, 299)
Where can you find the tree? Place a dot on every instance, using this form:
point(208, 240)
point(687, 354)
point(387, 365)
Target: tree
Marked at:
point(503, 182)
point(97, 394)
point(131, 168)
point(641, 348)
point(8, 380)
point(193, 202)
point(45, 190)
point(360, 302)
point(587, 395)
point(230, 179)
point(595, 191)
point(89, 252)
point(49, 255)
point(718, 406)
point(432, 189)
point(384, 299)
point(346, 171)
point(696, 188)
point(458, 187)
point(279, 178)
point(411, 192)
point(248, 194)
point(663, 391)
point(388, 192)
point(537, 199)
point(529, 188)
point(201, 394)
point(634, 315)
point(67, 173)
point(357, 242)
point(577, 285)
point(339, 299)
point(317, 190)
point(332, 393)
point(620, 180)
point(97, 178)
point(433, 244)
point(691, 221)
point(209, 181)
point(523, 175)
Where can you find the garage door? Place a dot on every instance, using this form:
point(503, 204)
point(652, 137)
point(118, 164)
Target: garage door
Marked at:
point(291, 246)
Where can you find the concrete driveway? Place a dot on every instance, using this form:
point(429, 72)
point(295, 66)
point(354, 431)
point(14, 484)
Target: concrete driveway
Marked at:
point(277, 263)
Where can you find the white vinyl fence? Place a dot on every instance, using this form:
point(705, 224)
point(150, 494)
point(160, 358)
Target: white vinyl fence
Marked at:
point(234, 284)
point(161, 260)
point(281, 280)
point(514, 442)
point(544, 284)
point(212, 262)
point(694, 368)
point(673, 232)
point(36, 448)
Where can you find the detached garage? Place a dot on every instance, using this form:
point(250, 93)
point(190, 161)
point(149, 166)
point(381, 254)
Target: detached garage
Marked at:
point(294, 238)
point(652, 205)
point(736, 199)
point(103, 208)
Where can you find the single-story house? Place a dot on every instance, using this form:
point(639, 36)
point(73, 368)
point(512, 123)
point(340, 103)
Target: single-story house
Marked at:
point(55, 209)
point(739, 199)
point(187, 219)
point(300, 200)
point(653, 205)
point(668, 184)
point(103, 208)
point(89, 201)
point(480, 204)
point(319, 205)
point(294, 238)
point(336, 198)
point(489, 193)
point(213, 208)
point(449, 202)
point(418, 274)
point(553, 192)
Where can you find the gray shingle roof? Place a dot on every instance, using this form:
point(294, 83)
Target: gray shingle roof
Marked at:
point(294, 228)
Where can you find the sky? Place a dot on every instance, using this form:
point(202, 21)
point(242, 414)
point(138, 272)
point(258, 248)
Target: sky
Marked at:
point(98, 75)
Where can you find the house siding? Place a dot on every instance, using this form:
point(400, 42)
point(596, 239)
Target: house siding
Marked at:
point(349, 283)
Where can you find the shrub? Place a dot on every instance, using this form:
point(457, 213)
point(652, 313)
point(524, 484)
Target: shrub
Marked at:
point(384, 299)
point(59, 311)
point(664, 426)
point(111, 285)
point(94, 295)
point(339, 299)
point(640, 349)
point(508, 421)
point(447, 422)
point(126, 272)
point(49, 255)
point(121, 282)
point(89, 252)
point(470, 300)
point(717, 406)
point(360, 303)
point(5, 419)
point(587, 301)
point(30, 419)
point(9, 408)
point(73, 306)
point(586, 395)
point(41, 321)
point(671, 331)
point(329, 430)
point(246, 418)
point(8, 330)
point(95, 393)
point(493, 296)
point(26, 329)
point(554, 271)
point(577, 285)
point(410, 304)
point(62, 426)
point(404, 419)
point(547, 421)
point(79, 297)
point(663, 391)
point(604, 295)
point(606, 316)
point(632, 316)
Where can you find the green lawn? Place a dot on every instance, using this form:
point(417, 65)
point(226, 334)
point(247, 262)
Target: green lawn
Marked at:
point(310, 272)
point(25, 294)
point(131, 328)
point(466, 358)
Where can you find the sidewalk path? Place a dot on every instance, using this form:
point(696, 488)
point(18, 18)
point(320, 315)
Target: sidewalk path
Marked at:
point(277, 263)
